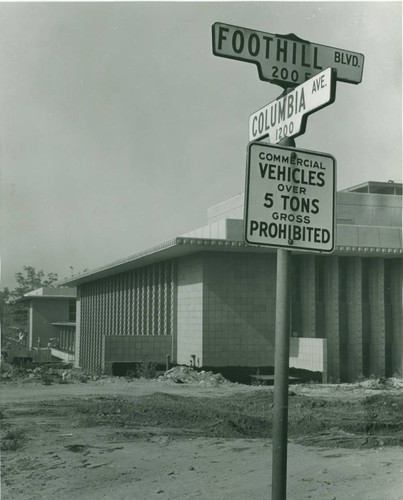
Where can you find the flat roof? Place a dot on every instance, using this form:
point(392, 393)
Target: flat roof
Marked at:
point(375, 187)
point(47, 292)
point(41, 297)
point(171, 249)
point(181, 246)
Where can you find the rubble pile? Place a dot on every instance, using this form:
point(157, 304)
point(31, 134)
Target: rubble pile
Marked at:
point(188, 375)
point(382, 383)
point(395, 383)
point(47, 374)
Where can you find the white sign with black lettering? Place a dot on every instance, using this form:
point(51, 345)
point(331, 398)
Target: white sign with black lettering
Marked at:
point(287, 115)
point(289, 198)
point(285, 60)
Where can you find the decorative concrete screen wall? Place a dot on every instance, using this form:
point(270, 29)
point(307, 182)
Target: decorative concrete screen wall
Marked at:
point(309, 354)
point(356, 303)
point(136, 348)
point(139, 302)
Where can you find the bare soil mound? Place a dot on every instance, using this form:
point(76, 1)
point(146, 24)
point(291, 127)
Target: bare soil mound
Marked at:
point(366, 423)
point(132, 439)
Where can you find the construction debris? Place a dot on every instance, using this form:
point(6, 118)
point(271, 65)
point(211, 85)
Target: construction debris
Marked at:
point(188, 375)
point(382, 383)
point(45, 373)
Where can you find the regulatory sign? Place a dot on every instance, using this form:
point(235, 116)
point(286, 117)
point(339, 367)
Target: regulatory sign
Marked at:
point(289, 198)
point(285, 60)
point(287, 115)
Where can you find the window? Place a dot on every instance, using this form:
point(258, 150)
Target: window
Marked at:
point(72, 310)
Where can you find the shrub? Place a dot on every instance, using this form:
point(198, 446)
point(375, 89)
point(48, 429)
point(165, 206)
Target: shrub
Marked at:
point(146, 369)
point(130, 374)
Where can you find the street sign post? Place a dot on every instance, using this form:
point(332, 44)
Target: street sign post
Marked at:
point(285, 60)
point(287, 115)
point(290, 193)
point(289, 198)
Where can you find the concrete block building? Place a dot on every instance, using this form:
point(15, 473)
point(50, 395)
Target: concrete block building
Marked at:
point(208, 299)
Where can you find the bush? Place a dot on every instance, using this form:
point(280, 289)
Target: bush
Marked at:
point(131, 374)
point(146, 369)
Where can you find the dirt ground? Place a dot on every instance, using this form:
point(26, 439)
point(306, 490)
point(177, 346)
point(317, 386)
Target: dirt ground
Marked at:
point(136, 439)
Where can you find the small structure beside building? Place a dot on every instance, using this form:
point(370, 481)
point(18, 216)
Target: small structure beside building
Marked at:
point(208, 299)
point(51, 320)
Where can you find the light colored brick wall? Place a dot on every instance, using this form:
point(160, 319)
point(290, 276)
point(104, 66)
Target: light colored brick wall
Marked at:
point(369, 209)
point(239, 309)
point(190, 310)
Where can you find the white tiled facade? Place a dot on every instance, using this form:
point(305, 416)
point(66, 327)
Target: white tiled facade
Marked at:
point(190, 311)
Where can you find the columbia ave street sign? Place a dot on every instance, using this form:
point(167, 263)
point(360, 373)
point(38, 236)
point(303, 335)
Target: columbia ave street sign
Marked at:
point(289, 198)
point(286, 116)
point(284, 60)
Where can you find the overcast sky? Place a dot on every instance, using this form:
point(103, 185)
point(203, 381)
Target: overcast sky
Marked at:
point(120, 127)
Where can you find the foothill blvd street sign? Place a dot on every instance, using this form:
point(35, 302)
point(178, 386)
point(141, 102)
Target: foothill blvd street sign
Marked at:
point(285, 60)
point(289, 198)
point(287, 115)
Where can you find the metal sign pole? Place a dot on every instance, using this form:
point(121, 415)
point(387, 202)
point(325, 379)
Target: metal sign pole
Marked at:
point(281, 363)
point(281, 368)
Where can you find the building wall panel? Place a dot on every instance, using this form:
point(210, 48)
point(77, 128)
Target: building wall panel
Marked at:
point(190, 310)
point(239, 309)
point(394, 289)
point(377, 306)
point(332, 316)
point(309, 354)
point(308, 296)
point(135, 349)
point(354, 318)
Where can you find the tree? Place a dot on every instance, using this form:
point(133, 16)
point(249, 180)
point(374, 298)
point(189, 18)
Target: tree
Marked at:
point(29, 280)
point(14, 316)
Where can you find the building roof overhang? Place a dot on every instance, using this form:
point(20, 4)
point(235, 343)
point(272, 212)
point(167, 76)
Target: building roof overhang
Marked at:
point(42, 297)
point(375, 187)
point(47, 292)
point(182, 246)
